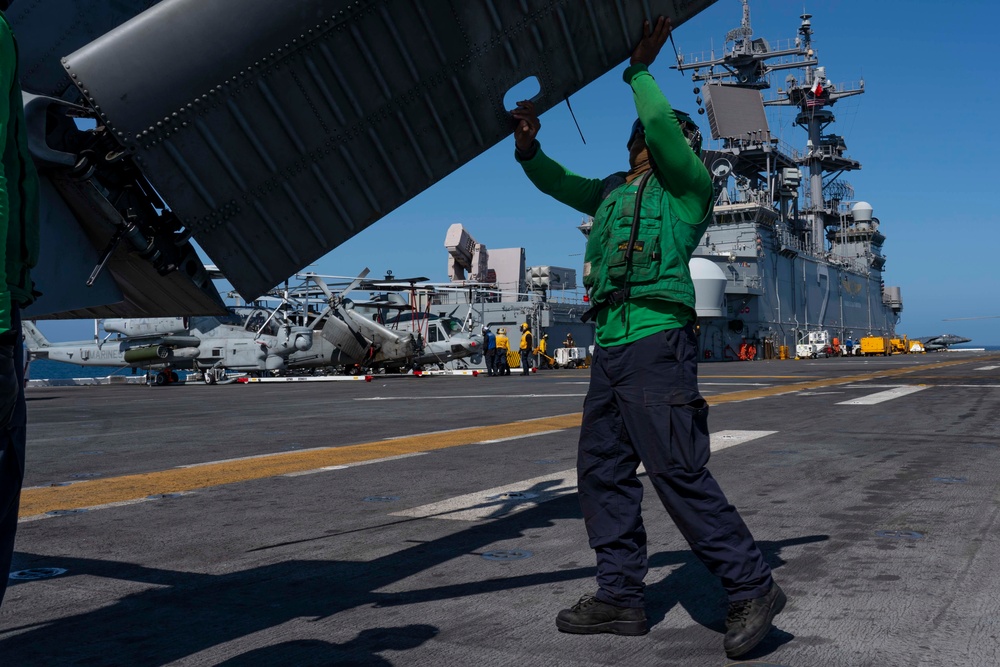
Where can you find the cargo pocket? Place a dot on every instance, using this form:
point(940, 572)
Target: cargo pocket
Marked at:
point(683, 415)
point(645, 256)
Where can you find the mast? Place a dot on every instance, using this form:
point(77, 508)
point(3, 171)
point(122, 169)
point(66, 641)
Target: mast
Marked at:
point(747, 63)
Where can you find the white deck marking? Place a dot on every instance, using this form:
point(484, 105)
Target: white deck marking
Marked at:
point(120, 503)
point(882, 396)
point(504, 500)
point(988, 368)
point(499, 501)
point(464, 396)
point(518, 437)
point(724, 439)
point(352, 465)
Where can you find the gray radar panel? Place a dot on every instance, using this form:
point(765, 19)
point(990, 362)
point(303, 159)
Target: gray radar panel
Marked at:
point(277, 131)
point(734, 112)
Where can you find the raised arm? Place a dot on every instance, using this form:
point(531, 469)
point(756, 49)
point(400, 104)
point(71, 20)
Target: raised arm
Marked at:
point(583, 194)
point(684, 175)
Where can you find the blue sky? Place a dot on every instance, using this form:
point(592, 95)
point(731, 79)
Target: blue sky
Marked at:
point(923, 132)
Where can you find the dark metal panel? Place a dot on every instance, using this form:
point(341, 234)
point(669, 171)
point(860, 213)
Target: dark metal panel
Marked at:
point(276, 134)
point(50, 29)
point(129, 287)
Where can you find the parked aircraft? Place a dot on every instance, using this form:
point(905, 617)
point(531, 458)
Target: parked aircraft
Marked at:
point(246, 339)
point(367, 336)
point(942, 342)
point(254, 339)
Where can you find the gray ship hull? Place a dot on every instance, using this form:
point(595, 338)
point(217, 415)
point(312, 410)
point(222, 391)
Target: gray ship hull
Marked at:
point(774, 295)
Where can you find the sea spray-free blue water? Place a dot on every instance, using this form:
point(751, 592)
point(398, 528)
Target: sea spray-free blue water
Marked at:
point(44, 369)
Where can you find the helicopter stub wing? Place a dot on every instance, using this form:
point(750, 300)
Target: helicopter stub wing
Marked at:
point(276, 134)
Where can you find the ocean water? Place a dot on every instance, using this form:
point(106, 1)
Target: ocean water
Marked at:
point(43, 369)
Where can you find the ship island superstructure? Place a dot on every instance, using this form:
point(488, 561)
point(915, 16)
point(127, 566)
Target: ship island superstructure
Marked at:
point(796, 251)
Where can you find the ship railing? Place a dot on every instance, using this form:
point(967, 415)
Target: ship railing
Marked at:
point(789, 240)
point(758, 140)
point(503, 292)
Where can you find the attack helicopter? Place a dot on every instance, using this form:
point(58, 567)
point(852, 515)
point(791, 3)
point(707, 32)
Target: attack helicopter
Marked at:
point(385, 333)
point(245, 340)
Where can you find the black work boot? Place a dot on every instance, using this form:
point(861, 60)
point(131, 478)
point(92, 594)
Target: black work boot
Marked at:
point(590, 616)
point(749, 621)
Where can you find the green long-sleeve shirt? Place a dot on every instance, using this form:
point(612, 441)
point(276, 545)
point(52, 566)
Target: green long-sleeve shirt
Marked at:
point(685, 181)
point(18, 188)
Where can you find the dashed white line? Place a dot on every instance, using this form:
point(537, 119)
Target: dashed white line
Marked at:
point(882, 396)
point(724, 439)
point(518, 437)
point(465, 396)
point(352, 465)
point(499, 501)
point(504, 500)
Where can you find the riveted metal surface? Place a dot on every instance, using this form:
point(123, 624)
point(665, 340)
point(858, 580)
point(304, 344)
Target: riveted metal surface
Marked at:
point(53, 28)
point(277, 135)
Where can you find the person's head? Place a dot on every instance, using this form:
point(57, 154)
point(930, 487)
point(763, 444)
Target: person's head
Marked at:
point(545, 335)
point(501, 330)
point(637, 137)
point(524, 326)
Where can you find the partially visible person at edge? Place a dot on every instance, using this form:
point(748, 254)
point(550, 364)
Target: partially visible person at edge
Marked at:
point(489, 355)
point(503, 347)
point(643, 405)
point(525, 349)
point(19, 229)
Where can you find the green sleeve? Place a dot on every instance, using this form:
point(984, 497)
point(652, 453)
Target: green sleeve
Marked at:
point(684, 175)
point(583, 194)
point(8, 69)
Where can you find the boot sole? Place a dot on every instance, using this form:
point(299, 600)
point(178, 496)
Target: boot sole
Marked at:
point(630, 628)
point(779, 604)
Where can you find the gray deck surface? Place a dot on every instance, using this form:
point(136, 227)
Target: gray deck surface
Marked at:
point(879, 519)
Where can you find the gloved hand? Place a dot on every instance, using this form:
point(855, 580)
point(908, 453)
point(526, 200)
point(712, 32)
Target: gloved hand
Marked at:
point(10, 387)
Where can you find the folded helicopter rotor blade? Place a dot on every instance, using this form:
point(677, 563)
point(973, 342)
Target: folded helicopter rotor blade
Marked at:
point(354, 283)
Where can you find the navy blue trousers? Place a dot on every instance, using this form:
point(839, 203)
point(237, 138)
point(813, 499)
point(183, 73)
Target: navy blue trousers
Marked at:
point(643, 406)
point(12, 462)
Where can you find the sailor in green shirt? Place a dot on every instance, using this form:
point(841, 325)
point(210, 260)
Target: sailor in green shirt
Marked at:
point(643, 404)
point(18, 253)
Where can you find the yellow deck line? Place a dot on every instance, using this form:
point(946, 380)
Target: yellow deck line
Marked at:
point(93, 493)
point(133, 487)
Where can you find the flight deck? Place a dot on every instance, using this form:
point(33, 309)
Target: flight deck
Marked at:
point(433, 521)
